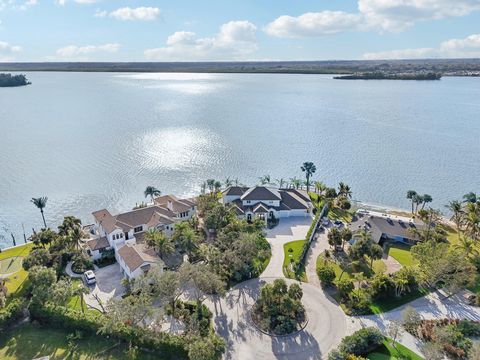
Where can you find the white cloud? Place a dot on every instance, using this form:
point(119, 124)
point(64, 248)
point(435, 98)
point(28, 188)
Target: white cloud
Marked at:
point(28, 4)
point(131, 14)
point(313, 24)
point(468, 47)
point(83, 2)
point(381, 15)
point(8, 51)
point(235, 40)
point(82, 53)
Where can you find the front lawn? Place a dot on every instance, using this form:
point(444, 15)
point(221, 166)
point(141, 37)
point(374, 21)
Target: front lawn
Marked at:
point(351, 269)
point(30, 342)
point(336, 213)
point(292, 252)
point(10, 262)
point(387, 352)
point(401, 253)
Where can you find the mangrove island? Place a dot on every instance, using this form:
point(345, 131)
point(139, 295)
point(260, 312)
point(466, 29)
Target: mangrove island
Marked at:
point(9, 80)
point(378, 75)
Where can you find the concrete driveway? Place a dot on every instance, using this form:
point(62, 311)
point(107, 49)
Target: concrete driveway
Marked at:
point(325, 328)
point(109, 285)
point(288, 229)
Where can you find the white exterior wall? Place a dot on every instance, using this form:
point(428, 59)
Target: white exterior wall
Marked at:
point(95, 254)
point(229, 198)
point(273, 203)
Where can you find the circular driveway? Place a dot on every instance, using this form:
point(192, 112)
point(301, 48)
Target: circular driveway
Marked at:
point(325, 328)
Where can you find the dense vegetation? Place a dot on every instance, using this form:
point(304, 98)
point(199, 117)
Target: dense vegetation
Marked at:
point(9, 80)
point(390, 76)
point(279, 308)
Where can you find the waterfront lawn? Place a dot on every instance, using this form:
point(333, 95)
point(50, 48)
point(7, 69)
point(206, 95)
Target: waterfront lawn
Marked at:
point(387, 352)
point(401, 253)
point(17, 281)
point(75, 301)
point(29, 342)
point(295, 253)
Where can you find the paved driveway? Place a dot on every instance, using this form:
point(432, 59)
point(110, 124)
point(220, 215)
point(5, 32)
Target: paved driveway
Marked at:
point(325, 328)
point(288, 229)
point(109, 285)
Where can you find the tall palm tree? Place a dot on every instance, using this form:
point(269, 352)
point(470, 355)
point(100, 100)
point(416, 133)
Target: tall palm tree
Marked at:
point(152, 191)
point(467, 246)
point(344, 190)
point(309, 169)
point(411, 195)
point(456, 208)
point(472, 220)
point(228, 182)
point(157, 240)
point(320, 187)
point(41, 203)
point(426, 199)
point(75, 235)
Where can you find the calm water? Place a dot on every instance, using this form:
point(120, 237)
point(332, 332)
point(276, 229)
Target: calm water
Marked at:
point(89, 141)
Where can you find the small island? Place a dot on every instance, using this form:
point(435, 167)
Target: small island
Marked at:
point(378, 75)
point(9, 80)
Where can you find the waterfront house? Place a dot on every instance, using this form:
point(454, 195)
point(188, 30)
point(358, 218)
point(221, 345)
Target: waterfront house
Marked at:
point(267, 202)
point(124, 232)
point(383, 227)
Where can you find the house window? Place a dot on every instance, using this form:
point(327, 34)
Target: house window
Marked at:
point(138, 229)
point(249, 217)
point(248, 201)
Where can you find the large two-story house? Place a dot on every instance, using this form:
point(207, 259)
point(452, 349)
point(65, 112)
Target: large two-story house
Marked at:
point(124, 232)
point(267, 202)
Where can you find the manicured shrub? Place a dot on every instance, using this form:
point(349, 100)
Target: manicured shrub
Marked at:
point(382, 286)
point(81, 263)
point(326, 274)
point(359, 302)
point(11, 313)
point(361, 341)
point(345, 287)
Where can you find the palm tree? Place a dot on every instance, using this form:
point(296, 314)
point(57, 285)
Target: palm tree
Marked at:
point(75, 235)
point(347, 235)
point(228, 182)
point(320, 187)
point(186, 237)
point(472, 220)
point(456, 208)
point(295, 183)
point(411, 195)
point(471, 197)
point(344, 190)
point(417, 199)
point(69, 223)
point(152, 191)
point(280, 182)
point(426, 199)
point(309, 169)
point(157, 240)
point(466, 246)
point(265, 179)
point(41, 203)
point(211, 185)
point(217, 186)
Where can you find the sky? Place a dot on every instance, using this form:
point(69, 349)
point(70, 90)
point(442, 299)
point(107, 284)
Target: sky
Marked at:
point(195, 30)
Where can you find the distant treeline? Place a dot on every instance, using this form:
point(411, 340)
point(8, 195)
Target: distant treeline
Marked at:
point(9, 80)
point(386, 76)
point(446, 67)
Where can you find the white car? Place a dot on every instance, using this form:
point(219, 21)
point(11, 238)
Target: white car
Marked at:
point(89, 277)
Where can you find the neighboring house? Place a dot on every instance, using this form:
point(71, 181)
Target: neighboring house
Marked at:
point(384, 227)
point(127, 230)
point(267, 202)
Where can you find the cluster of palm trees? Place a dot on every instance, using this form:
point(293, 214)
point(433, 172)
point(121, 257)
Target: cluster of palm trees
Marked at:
point(333, 196)
point(466, 216)
point(418, 200)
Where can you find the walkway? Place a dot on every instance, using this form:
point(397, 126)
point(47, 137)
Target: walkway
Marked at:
point(325, 328)
point(318, 246)
point(288, 229)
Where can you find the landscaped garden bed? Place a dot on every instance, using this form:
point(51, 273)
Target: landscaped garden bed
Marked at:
point(279, 310)
point(292, 267)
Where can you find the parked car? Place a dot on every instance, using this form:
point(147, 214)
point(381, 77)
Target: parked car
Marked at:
point(89, 277)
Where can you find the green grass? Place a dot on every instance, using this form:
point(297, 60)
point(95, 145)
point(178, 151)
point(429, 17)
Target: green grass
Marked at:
point(388, 352)
point(17, 281)
point(28, 342)
point(339, 214)
point(401, 253)
point(378, 267)
point(297, 248)
point(381, 306)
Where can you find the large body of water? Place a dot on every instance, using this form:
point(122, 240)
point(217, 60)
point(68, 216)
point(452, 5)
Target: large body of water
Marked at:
point(95, 140)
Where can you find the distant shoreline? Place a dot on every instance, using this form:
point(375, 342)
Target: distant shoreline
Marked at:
point(446, 67)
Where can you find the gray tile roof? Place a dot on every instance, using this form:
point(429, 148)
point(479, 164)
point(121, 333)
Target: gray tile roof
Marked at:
point(234, 191)
point(261, 193)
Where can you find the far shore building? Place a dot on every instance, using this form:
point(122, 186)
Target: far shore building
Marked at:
point(267, 202)
point(124, 232)
point(384, 227)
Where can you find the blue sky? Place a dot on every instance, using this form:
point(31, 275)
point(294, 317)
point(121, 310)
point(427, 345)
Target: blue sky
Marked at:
point(191, 30)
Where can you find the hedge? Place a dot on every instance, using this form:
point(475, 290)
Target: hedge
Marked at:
point(361, 341)
point(306, 246)
point(12, 313)
point(168, 345)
